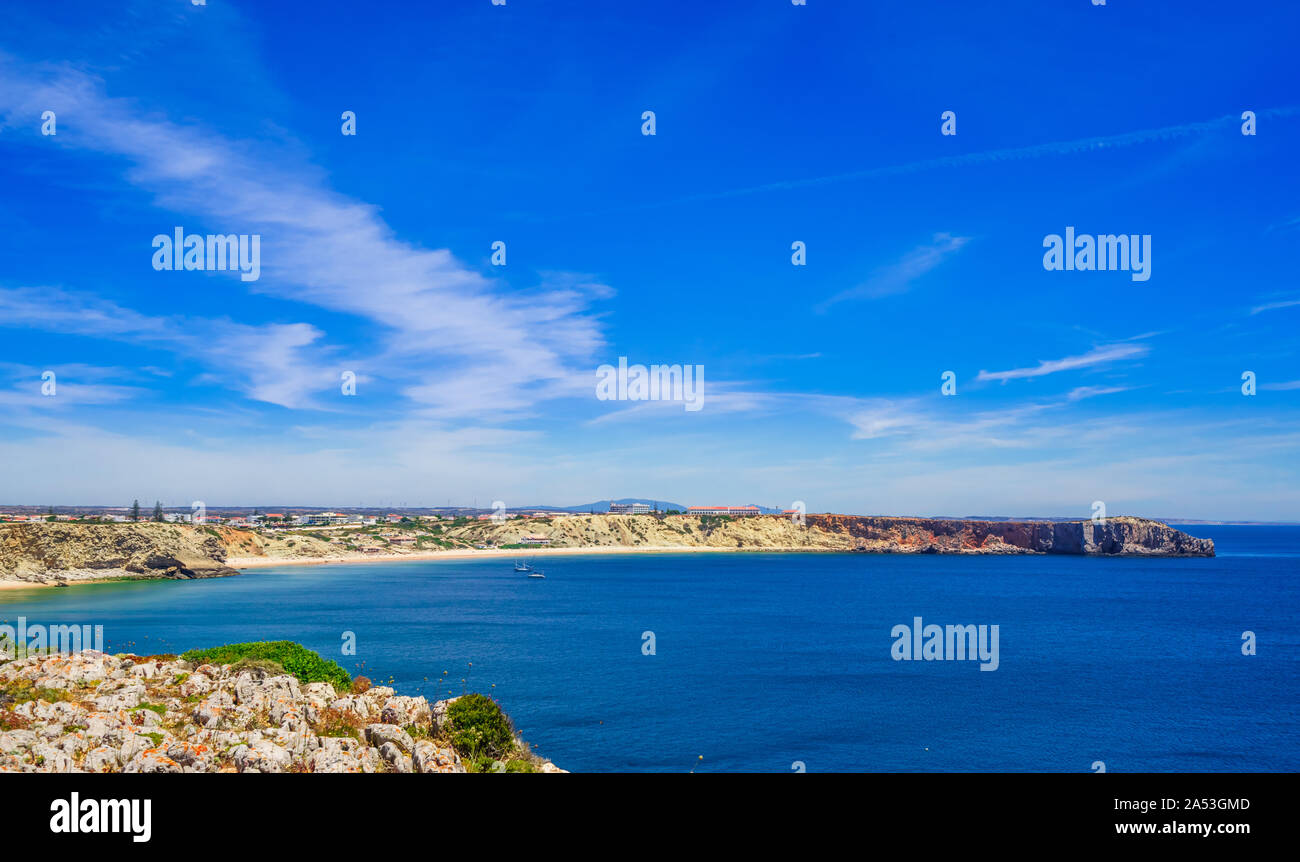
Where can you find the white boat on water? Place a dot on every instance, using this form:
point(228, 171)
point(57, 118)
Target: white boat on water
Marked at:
point(521, 566)
point(536, 574)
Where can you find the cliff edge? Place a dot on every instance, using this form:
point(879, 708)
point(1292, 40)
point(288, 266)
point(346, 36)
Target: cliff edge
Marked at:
point(66, 553)
point(1124, 536)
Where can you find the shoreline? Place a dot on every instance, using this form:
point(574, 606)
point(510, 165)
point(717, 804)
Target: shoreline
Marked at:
point(58, 579)
point(248, 563)
point(270, 562)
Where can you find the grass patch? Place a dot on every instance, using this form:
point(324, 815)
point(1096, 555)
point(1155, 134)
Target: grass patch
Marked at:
point(293, 658)
point(22, 691)
point(339, 722)
point(13, 721)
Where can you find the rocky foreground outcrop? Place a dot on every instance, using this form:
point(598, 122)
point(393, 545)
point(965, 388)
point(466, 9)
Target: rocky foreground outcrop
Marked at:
point(66, 553)
point(93, 712)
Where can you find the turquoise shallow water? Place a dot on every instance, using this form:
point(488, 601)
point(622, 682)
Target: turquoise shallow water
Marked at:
point(764, 660)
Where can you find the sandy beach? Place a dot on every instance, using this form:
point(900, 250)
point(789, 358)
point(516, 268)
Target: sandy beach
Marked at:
point(243, 563)
point(265, 562)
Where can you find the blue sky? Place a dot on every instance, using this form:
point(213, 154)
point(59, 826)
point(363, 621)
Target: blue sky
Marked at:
point(774, 124)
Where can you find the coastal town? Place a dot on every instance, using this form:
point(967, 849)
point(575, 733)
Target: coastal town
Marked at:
point(290, 518)
point(256, 536)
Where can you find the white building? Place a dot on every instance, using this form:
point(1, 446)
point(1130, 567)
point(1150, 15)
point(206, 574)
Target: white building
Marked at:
point(629, 508)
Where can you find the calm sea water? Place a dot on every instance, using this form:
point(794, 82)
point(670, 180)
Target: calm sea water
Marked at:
point(765, 660)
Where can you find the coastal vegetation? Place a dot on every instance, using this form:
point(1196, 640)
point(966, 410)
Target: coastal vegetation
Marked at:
point(285, 656)
point(483, 735)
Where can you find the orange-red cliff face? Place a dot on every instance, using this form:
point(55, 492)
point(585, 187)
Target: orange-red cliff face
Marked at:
point(1114, 537)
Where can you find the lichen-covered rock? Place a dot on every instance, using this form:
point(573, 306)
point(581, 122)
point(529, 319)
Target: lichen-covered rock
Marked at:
point(118, 694)
point(152, 760)
point(261, 756)
point(378, 734)
point(259, 691)
point(196, 684)
point(429, 757)
point(17, 741)
point(101, 759)
point(438, 712)
point(51, 759)
point(356, 704)
point(406, 711)
point(395, 757)
point(212, 709)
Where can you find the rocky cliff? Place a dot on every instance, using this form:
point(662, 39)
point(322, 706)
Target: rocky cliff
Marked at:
point(64, 553)
point(1117, 536)
point(1114, 537)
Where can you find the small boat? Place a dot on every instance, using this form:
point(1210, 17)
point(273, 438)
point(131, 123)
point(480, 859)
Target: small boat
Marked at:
point(521, 566)
point(536, 574)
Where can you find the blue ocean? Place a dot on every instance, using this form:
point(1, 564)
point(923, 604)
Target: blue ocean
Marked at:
point(781, 662)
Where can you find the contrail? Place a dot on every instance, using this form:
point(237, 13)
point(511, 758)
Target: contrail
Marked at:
point(1058, 148)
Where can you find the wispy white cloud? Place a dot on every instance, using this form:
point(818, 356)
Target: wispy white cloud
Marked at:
point(1079, 393)
point(897, 277)
point(1273, 306)
point(71, 385)
point(322, 248)
point(1097, 356)
point(276, 363)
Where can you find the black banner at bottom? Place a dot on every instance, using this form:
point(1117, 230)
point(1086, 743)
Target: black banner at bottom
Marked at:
point(316, 812)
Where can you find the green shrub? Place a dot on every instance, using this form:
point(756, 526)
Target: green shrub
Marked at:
point(479, 730)
point(294, 658)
